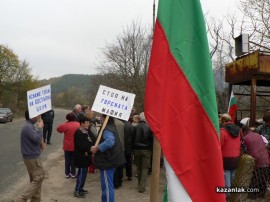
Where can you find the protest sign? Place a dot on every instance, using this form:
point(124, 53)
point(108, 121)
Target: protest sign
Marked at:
point(113, 102)
point(39, 101)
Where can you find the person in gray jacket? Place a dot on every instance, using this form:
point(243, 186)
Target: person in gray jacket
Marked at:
point(31, 146)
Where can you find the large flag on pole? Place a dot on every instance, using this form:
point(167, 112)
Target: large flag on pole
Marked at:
point(180, 103)
point(232, 106)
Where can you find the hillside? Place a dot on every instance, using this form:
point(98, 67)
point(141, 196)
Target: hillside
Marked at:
point(70, 89)
point(65, 82)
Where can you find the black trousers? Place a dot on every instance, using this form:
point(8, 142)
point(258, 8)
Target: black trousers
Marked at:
point(118, 177)
point(47, 132)
point(128, 165)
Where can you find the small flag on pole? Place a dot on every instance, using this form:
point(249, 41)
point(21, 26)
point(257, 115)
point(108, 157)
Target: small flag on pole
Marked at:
point(180, 103)
point(232, 107)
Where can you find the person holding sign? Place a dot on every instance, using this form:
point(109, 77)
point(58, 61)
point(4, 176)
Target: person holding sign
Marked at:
point(31, 146)
point(108, 156)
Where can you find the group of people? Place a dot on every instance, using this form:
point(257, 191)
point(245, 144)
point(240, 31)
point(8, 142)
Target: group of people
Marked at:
point(238, 139)
point(121, 143)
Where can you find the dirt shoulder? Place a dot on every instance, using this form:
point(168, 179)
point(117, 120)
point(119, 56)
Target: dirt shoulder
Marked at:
point(57, 188)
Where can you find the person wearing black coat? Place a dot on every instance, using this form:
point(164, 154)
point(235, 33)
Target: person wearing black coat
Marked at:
point(128, 131)
point(82, 155)
point(108, 156)
point(143, 144)
point(47, 118)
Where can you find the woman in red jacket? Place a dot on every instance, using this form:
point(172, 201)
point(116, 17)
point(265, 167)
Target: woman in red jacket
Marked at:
point(69, 128)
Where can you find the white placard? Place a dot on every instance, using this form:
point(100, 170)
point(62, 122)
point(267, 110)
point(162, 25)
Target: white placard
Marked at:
point(113, 102)
point(39, 101)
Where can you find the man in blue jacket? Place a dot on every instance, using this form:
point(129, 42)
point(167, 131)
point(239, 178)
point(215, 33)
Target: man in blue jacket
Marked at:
point(108, 155)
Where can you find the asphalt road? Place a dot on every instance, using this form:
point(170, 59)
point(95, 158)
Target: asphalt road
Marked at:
point(11, 164)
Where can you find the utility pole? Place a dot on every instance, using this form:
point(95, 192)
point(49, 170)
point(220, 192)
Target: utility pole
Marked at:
point(154, 16)
point(152, 37)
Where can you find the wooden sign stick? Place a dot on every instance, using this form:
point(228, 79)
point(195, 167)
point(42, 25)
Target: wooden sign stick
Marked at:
point(101, 130)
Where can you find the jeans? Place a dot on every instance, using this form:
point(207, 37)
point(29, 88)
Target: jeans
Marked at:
point(229, 176)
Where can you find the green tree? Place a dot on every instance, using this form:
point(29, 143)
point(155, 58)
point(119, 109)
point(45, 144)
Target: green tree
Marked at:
point(15, 79)
point(9, 63)
point(23, 81)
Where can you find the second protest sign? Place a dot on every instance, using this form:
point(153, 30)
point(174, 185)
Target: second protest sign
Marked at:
point(113, 102)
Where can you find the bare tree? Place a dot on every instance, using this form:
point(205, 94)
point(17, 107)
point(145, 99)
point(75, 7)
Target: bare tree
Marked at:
point(124, 62)
point(253, 19)
point(220, 51)
point(257, 23)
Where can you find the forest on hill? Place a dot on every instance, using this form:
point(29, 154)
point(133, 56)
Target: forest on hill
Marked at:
point(70, 89)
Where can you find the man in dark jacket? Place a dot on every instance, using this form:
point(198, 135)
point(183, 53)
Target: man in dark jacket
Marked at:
point(143, 143)
point(118, 174)
point(230, 147)
point(128, 132)
point(108, 155)
point(82, 155)
point(47, 118)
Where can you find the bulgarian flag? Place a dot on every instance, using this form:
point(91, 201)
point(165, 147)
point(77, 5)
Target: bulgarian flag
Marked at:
point(232, 106)
point(180, 103)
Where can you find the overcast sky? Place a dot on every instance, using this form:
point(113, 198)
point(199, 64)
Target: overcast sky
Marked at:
point(58, 37)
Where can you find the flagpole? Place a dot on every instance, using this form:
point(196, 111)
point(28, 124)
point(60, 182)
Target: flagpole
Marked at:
point(155, 171)
point(156, 147)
